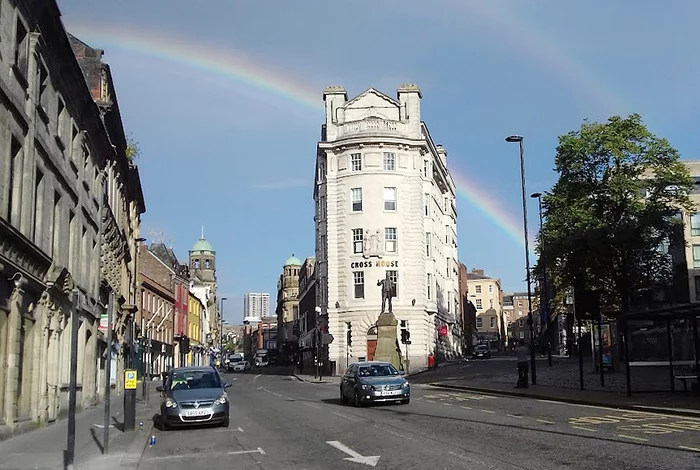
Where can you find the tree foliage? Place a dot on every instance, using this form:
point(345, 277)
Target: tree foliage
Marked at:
point(617, 200)
point(133, 150)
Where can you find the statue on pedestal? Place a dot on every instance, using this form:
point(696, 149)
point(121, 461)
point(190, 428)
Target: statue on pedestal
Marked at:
point(388, 291)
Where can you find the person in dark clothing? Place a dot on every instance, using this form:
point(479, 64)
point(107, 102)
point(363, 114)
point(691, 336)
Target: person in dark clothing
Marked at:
point(522, 352)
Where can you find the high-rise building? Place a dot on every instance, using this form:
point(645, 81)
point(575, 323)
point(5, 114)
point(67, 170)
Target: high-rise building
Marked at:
point(256, 305)
point(385, 205)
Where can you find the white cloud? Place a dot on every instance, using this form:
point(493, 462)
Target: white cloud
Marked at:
point(283, 184)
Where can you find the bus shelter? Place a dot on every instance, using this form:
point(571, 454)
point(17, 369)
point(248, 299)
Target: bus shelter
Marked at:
point(663, 339)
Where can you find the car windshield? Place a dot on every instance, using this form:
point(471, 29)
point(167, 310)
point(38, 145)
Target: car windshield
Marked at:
point(194, 379)
point(481, 347)
point(378, 370)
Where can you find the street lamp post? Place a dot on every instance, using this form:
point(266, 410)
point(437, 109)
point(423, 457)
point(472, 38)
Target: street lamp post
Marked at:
point(545, 292)
point(519, 140)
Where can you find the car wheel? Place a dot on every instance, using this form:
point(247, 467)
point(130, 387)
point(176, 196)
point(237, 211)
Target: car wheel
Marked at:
point(343, 398)
point(406, 401)
point(225, 423)
point(357, 402)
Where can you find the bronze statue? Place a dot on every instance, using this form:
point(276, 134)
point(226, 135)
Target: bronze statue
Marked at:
point(388, 291)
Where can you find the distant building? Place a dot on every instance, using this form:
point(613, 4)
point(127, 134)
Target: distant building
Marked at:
point(256, 305)
point(203, 284)
point(287, 310)
point(486, 295)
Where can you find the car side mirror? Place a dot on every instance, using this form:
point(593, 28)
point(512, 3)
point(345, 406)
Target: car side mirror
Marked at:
point(159, 388)
point(227, 385)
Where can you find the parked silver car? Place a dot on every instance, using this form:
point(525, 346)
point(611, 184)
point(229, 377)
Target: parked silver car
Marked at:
point(192, 396)
point(374, 381)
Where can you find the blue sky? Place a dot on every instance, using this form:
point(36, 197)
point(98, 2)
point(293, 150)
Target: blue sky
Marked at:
point(238, 157)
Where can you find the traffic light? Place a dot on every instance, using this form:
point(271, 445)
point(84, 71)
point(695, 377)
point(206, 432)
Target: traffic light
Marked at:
point(405, 334)
point(349, 333)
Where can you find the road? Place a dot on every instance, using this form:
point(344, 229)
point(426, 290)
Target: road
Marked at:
point(278, 422)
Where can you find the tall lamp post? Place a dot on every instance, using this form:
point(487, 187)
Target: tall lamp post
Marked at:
point(545, 291)
point(519, 140)
point(138, 301)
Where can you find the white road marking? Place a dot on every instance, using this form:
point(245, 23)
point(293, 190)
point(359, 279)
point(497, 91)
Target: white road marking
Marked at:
point(266, 390)
point(230, 430)
point(632, 437)
point(515, 416)
point(466, 407)
point(277, 394)
point(102, 426)
point(694, 449)
point(255, 378)
point(584, 429)
point(312, 406)
point(354, 456)
point(488, 411)
point(545, 421)
point(199, 455)
point(447, 404)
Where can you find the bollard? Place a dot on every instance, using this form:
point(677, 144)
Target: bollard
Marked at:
point(153, 441)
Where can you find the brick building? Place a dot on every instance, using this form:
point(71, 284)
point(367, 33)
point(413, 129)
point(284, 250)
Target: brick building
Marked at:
point(156, 318)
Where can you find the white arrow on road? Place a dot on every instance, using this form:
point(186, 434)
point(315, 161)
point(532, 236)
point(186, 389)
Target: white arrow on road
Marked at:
point(357, 458)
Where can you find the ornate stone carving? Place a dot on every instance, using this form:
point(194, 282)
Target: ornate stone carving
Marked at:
point(372, 244)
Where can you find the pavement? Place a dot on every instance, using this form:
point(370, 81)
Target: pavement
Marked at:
point(498, 375)
point(279, 422)
point(44, 448)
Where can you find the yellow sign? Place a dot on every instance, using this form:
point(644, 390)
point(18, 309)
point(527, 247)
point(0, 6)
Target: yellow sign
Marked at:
point(130, 380)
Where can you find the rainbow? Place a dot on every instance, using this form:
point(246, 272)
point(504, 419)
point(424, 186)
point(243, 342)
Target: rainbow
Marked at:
point(243, 70)
point(205, 57)
point(530, 41)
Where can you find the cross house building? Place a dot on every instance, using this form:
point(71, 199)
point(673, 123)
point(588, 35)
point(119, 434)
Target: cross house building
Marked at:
point(385, 203)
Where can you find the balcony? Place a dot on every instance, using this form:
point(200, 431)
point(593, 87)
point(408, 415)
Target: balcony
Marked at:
point(371, 126)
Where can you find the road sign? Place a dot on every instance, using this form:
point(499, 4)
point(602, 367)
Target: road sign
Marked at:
point(327, 338)
point(130, 380)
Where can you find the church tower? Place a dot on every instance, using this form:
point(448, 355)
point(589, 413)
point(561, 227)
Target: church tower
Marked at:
point(203, 285)
point(203, 262)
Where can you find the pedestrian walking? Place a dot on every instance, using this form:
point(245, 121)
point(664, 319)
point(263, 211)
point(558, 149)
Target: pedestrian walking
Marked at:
point(522, 352)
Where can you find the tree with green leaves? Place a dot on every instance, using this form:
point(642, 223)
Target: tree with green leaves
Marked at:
point(616, 204)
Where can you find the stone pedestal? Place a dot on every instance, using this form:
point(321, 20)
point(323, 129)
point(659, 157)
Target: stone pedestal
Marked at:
point(386, 339)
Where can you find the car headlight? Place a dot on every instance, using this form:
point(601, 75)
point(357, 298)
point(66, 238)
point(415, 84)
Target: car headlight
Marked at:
point(170, 403)
point(221, 400)
point(405, 385)
point(366, 387)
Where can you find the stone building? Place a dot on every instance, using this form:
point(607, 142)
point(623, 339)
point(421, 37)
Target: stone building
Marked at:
point(385, 205)
point(309, 320)
point(468, 311)
point(196, 355)
point(203, 284)
point(287, 310)
point(70, 202)
point(487, 296)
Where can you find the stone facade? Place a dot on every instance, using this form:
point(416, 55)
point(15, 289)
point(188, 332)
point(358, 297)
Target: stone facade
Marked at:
point(70, 205)
point(203, 284)
point(385, 203)
point(287, 310)
point(487, 296)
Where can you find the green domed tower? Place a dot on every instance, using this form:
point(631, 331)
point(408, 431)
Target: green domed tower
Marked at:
point(203, 261)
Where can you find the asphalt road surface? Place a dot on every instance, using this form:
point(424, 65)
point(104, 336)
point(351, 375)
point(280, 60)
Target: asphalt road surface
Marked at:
point(278, 422)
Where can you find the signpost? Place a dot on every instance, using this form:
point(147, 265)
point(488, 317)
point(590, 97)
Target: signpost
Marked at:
point(129, 400)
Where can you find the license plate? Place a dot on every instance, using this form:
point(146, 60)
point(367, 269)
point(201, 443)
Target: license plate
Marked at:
point(192, 413)
point(388, 393)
